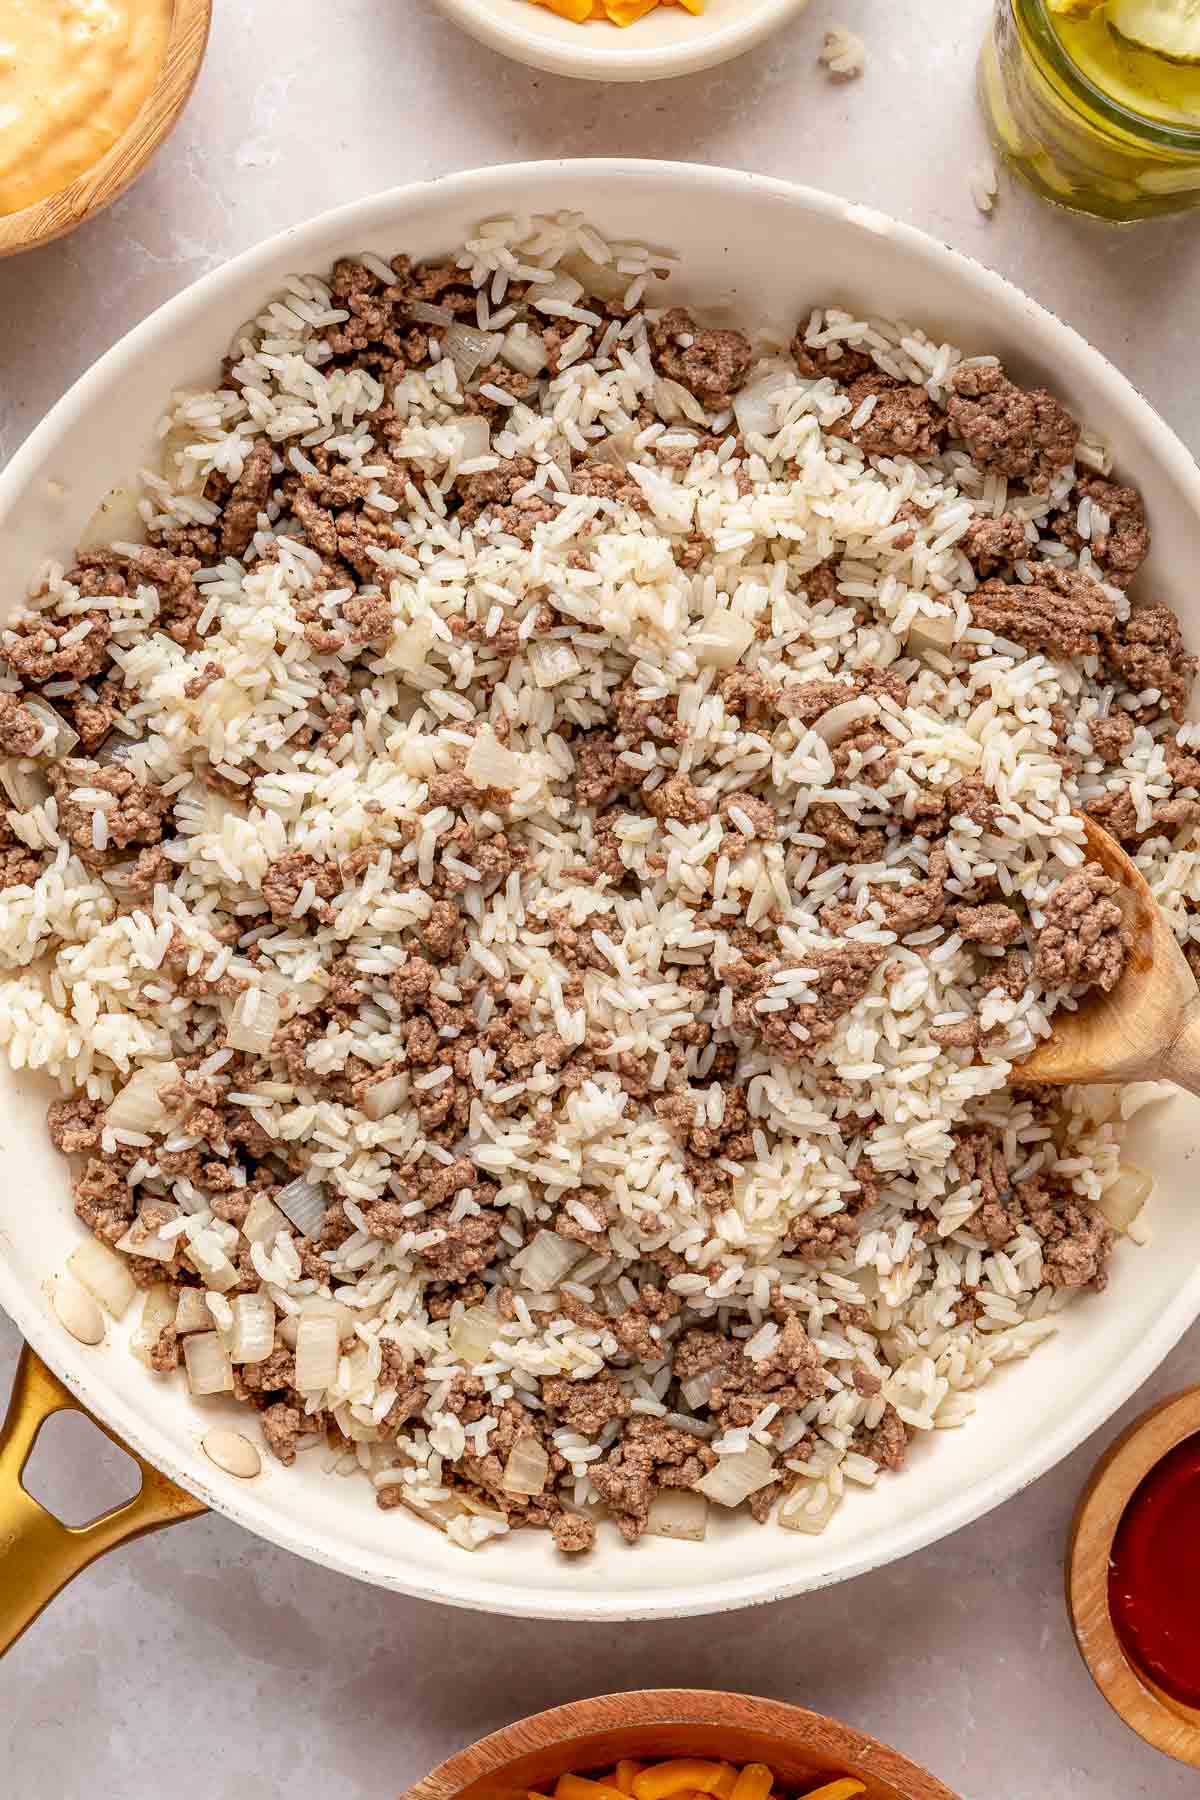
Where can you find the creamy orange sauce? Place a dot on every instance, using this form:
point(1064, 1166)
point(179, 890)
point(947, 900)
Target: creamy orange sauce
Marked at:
point(73, 76)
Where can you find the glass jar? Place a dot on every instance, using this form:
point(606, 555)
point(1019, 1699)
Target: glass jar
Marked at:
point(1076, 143)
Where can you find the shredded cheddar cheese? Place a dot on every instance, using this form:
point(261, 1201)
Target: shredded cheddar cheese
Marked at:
point(686, 1778)
point(617, 12)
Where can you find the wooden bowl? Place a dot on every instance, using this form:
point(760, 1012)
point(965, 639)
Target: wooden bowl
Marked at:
point(1154, 1715)
point(803, 1748)
point(100, 185)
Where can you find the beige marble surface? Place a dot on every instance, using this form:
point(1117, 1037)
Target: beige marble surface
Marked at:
point(204, 1665)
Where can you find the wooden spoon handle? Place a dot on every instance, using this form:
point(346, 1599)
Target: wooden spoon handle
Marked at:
point(1180, 1060)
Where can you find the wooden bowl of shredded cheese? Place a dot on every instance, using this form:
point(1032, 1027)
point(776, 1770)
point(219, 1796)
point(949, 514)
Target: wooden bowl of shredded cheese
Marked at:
point(679, 1744)
point(89, 94)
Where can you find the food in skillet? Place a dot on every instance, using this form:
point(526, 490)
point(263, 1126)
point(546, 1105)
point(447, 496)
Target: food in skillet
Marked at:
point(533, 851)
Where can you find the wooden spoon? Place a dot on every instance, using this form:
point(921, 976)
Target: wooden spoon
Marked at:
point(1148, 1027)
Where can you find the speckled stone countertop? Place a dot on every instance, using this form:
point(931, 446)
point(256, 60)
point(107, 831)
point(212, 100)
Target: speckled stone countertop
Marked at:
point(203, 1664)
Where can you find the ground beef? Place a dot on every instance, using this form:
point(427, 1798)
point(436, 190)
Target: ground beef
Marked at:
point(1062, 612)
point(838, 362)
point(843, 976)
point(492, 487)
point(283, 1427)
point(572, 1533)
point(713, 365)
point(1085, 940)
point(1111, 735)
point(995, 925)
point(75, 1124)
point(25, 648)
point(1148, 651)
point(921, 903)
point(286, 876)
point(470, 1244)
point(1121, 549)
point(886, 1443)
point(585, 1406)
point(990, 544)
point(138, 816)
point(804, 702)
point(789, 1376)
point(647, 1457)
point(1076, 1240)
point(606, 481)
point(20, 732)
point(676, 798)
point(903, 422)
point(1026, 435)
point(239, 519)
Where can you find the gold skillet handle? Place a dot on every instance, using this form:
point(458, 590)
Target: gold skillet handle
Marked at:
point(38, 1553)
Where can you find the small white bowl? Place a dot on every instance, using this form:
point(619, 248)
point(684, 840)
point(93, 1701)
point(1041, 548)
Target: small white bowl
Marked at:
point(668, 41)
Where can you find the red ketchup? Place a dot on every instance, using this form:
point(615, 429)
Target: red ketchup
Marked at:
point(1154, 1575)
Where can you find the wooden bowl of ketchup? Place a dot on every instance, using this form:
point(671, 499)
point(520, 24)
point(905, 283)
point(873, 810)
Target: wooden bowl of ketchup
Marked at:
point(1133, 1577)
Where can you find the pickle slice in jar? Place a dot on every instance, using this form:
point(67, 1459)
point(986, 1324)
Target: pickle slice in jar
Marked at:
point(1168, 28)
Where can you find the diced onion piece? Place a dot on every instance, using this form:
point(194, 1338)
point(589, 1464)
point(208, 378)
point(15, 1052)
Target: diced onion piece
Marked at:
point(24, 784)
point(383, 1097)
point(476, 435)
point(1124, 1199)
point(115, 520)
point(253, 1022)
point(839, 721)
point(263, 1221)
point(428, 314)
point(473, 1333)
point(678, 1513)
point(523, 350)
point(480, 1509)
point(144, 1240)
point(209, 1370)
point(211, 1264)
point(468, 347)
point(304, 1203)
point(936, 633)
point(315, 1306)
point(158, 1311)
point(527, 1467)
point(104, 1274)
point(137, 1107)
point(489, 764)
point(723, 638)
point(601, 281)
point(613, 452)
point(316, 1353)
point(409, 649)
point(192, 1314)
point(754, 407)
point(552, 662)
point(253, 1336)
point(353, 1428)
point(61, 738)
point(698, 1391)
point(546, 1262)
point(672, 402)
point(738, 1475)
point(564, 290)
